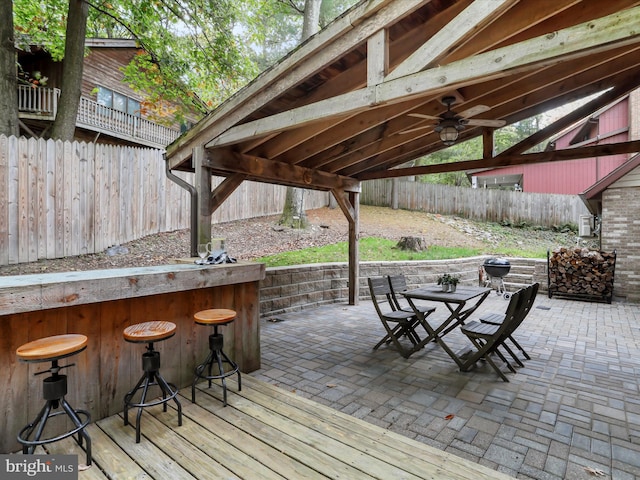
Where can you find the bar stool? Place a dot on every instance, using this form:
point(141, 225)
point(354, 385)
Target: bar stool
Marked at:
point(216, 317)
point(150, 332)
point(54, 390)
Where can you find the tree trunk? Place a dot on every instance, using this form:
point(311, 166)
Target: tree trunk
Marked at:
point(293, 214)
point(8, 83)
point(64, 126)
point(413, 244)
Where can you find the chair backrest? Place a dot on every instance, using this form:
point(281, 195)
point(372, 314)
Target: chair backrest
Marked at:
point(397, 284)
point(526, 303)
point(511, 315)
point(380, 292)
point(501, 334)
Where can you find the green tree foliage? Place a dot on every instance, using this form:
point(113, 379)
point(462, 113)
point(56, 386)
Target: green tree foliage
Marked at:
point(191, 53)
point(273, 28)
point(195, 53)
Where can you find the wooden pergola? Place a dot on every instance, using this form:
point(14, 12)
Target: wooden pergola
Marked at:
point(336, 110)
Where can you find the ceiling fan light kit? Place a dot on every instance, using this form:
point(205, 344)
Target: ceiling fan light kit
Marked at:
point(450, 126)
point(448, 129)
point(450, 123)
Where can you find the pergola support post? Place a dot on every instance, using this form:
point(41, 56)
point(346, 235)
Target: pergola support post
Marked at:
point(203, 188)
point(350, 206)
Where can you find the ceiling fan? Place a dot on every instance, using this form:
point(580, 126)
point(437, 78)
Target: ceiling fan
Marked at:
point(450, 123)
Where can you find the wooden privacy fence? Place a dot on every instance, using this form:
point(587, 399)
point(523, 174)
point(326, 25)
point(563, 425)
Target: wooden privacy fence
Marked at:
point(489, 205)
point(64, 199)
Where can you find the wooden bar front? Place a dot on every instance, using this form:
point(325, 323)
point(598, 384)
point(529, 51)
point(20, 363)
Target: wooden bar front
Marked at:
point(100, 304)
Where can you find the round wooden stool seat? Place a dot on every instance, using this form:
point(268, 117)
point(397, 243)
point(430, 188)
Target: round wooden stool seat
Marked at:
point(52, 348)
point(215, 316)
point(149, 331)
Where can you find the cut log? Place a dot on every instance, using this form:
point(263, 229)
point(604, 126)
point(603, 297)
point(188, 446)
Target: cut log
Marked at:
point(414, 244)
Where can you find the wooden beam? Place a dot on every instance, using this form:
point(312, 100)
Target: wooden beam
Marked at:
point(467, 23)
point(585, 39)
point(579, 113)
point(203, 189)
point(393, 150)
point(320, 50)
point(377, 57)
point(270, 171)
point(350, 206)
point(226, 188)
point(488, 144)
point(508, 160)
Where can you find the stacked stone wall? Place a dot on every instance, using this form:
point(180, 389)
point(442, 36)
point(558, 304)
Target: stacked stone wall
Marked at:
point(287, 289)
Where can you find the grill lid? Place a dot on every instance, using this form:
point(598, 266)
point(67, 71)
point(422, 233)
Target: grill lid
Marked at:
point(497, 262)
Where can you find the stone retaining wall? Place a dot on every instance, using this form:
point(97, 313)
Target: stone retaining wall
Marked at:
point(287, 289)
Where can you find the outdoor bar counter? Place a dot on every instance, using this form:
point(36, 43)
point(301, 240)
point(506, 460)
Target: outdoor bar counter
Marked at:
point(101, 304)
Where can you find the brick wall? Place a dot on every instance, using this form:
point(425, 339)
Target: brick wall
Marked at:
point(287, 289)
point(621, 232)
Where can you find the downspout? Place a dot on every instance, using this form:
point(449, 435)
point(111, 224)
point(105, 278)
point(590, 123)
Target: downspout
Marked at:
point(194, 206)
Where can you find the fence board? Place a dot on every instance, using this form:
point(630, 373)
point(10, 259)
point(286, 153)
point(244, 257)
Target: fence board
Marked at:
point(23, 202)
point(4, 206)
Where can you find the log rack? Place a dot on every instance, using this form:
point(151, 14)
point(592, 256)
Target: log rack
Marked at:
point(581, 274)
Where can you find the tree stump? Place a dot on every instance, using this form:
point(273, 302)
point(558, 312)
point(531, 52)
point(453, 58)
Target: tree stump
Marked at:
point(414, 244)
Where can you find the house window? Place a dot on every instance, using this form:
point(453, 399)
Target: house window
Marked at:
point(118, 101)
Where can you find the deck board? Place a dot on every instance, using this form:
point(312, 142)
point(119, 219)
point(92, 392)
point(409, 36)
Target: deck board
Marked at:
point(264, 433)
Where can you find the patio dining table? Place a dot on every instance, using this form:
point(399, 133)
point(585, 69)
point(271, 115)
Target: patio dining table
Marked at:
point(456, 303)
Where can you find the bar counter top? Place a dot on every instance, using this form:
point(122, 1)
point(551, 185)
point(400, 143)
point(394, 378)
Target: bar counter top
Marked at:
point(28, 293)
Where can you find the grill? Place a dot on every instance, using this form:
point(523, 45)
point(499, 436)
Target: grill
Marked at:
point(496, 269)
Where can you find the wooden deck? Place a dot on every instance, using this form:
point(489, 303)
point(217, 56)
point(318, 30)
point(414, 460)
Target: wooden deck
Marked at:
point(264, 433)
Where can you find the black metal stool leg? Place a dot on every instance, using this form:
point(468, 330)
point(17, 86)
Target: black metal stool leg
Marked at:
point(218, 357)
point(73, 414)
point(151, 376)
point(54, 391)
point(38, 424)
point(129, 396)
point(169, 394)
point(234, 367)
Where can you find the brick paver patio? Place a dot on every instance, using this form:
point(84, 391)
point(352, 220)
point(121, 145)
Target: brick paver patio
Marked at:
point(573, 407)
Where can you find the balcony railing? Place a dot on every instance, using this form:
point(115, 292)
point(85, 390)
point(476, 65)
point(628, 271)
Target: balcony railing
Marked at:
point(42, 103)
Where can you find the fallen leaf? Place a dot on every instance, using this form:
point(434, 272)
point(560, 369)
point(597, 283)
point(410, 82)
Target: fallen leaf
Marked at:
point(595, 471)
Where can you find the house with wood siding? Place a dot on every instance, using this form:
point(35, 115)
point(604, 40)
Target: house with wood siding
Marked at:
point(611, 124)
point(110, 110)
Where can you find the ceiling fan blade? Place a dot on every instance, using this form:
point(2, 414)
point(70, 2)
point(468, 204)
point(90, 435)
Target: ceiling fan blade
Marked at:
point(411, 130)
point(473, 111)
point(420, 115)
point(485, 123)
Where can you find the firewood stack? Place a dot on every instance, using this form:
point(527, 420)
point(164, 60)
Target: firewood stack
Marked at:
point(581, 272)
